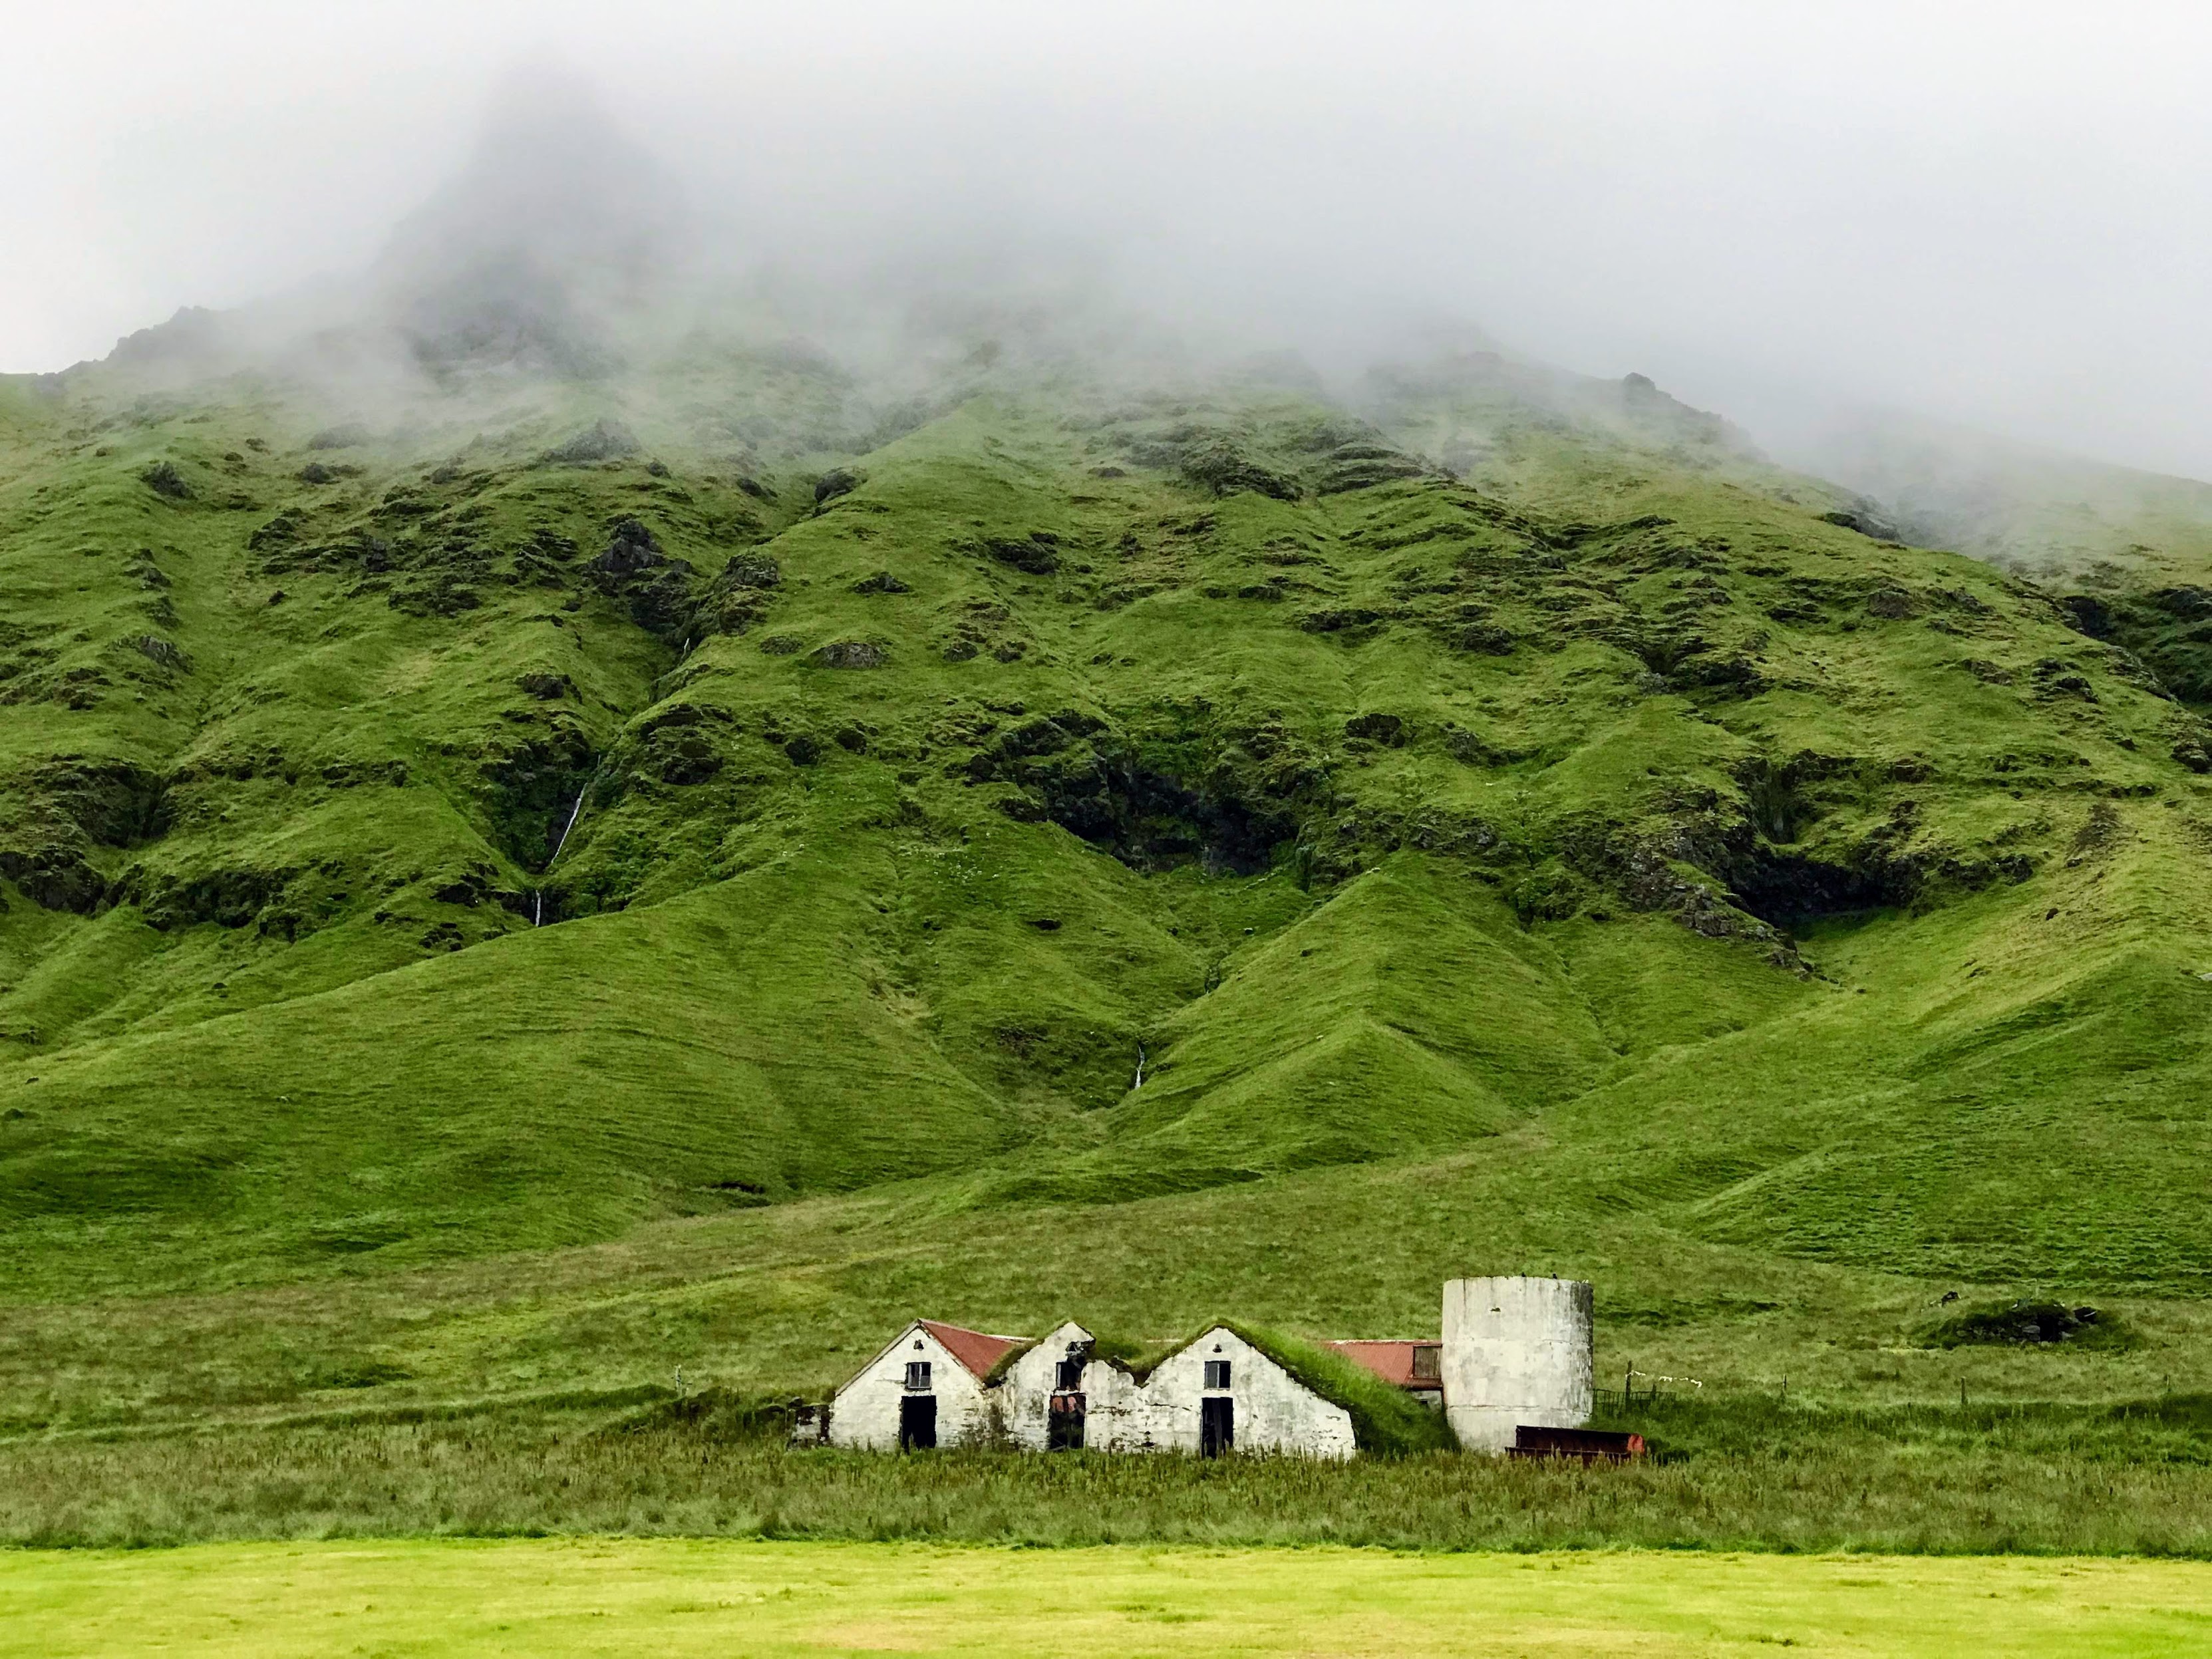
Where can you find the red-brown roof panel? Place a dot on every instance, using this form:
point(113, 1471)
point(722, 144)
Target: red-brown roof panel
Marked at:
point(977, 1350)
point(1392, 1361)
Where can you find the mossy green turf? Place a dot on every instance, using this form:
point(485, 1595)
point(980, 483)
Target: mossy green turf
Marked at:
point(666, 1597)
point(1605, 866)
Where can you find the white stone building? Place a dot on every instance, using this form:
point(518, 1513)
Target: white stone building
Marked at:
point(942, 1385)
point(931, 1386)
point(1218, 1394)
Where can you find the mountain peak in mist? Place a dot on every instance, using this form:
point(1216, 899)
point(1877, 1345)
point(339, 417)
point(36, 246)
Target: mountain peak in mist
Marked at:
point(558, 220)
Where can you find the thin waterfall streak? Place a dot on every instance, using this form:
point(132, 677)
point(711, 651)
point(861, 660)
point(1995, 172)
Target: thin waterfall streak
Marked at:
point(574, 813)
point(538, 909)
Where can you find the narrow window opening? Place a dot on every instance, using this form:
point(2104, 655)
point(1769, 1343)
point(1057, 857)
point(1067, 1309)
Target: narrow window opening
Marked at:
point(1217, 1373)
point(917, 1376)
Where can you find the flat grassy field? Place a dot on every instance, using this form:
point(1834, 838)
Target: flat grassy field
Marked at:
point(620, 1597)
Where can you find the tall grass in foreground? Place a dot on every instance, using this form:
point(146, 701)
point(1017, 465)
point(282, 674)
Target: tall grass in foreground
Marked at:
point(2134, 1479)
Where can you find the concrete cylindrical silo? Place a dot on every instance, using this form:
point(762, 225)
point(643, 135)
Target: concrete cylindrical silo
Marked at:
point(1516, 1351)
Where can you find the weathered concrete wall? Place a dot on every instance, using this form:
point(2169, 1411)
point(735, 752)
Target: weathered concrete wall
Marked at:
point(1025, 1389)
point(866, 1411)
point(1516, 1351)
point(1274, 1412)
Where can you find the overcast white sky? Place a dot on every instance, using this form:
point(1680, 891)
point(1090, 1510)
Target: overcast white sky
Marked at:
point(1996, 214)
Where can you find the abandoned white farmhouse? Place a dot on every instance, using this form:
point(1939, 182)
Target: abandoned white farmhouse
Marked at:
point(930, 1386)
point(1514, 1353)
point(937, 1384)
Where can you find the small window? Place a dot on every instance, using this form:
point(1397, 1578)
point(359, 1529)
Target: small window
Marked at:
point(917, 1375)
point(1217, 1373)
point(1428, 1362)
point(1068, 1376)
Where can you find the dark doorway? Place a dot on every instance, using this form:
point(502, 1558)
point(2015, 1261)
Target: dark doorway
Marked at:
point(1063, 1425)
point(1217, 1426)
point(918, 1422)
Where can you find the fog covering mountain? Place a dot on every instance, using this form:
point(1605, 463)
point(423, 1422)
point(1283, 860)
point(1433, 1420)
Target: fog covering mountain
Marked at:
point(559, 221)
point(2053, 516)
point(591, 730)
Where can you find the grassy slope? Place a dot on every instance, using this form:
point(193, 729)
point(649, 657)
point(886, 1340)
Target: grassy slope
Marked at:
point(1460, 839)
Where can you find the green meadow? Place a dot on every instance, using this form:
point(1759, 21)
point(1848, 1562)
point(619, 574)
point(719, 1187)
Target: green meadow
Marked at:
point(607, 1597)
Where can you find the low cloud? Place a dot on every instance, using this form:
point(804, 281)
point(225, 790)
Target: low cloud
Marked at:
point(1990, 215)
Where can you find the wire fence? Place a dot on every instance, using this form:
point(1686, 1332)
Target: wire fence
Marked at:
point(1638, 1390)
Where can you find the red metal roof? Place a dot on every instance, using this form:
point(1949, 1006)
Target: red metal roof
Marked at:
point(977, 1350)
point(1391, 1361)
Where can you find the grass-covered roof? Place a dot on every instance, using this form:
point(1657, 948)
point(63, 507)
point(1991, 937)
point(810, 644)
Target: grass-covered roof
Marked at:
point(1386, 1421)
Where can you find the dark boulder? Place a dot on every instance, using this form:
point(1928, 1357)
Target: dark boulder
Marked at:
point(1337, 621)
point(283, 531)
point(753, 570)
point(1386, 729)
point(2026, 1324)
point(163, 479)
point(1866, 519)
point(656, 587)
point(1215, 462)
point(163, 654)
point(1037, 556)
point(740, 596)
point(54, 877)
point(2086, 615)
point(630, 547)
point(1485, 638)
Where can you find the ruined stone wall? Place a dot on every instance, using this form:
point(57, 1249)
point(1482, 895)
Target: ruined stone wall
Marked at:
point(1025, 1390)
point(1516, 1351)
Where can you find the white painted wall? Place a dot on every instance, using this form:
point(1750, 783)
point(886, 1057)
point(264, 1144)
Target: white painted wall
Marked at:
point(1274, 1412)
point(866, 1411)
point(1516, 1351)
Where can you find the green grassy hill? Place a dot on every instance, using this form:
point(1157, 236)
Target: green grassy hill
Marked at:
point(553, 879)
